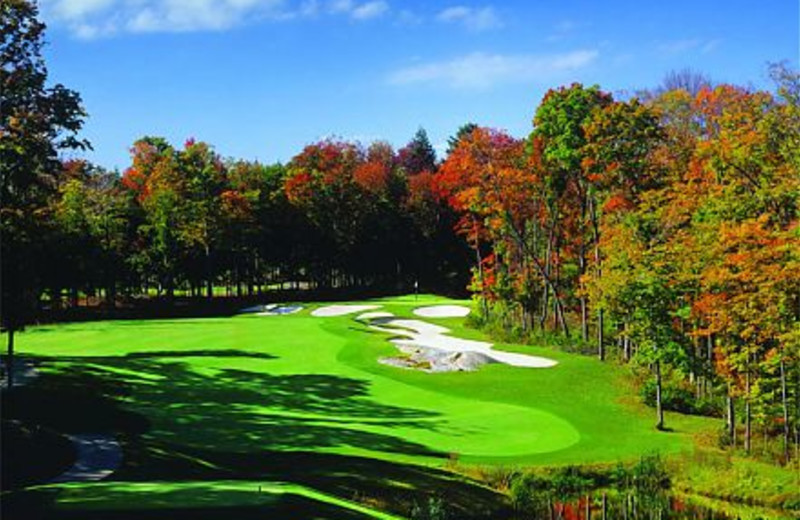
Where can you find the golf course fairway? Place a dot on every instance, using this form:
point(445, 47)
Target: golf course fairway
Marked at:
point(286, 398)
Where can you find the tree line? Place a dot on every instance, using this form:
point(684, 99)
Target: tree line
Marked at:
point(338, 215)
point(660, 229)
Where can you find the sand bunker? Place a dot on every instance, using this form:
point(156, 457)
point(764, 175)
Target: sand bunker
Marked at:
point(433, 360)
point(271, 309)
point(257, 308)
point(280, 310)
point(442, 311)
point(374, 315)
point(427, 341)
point(341, 310)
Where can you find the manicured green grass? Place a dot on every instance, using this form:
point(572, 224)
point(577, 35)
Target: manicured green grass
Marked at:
point(206, 390)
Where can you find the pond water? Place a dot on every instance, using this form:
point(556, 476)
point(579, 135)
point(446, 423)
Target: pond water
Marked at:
point(629, 507)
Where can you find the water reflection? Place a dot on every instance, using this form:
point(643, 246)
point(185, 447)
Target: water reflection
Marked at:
point(618, 506)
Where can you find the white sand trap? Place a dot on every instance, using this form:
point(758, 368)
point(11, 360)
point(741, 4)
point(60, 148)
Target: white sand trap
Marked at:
point(374, 315)
point(341, 310)
point(419, 334)
point(280, 310)
point(258, 308)
point(442, 311)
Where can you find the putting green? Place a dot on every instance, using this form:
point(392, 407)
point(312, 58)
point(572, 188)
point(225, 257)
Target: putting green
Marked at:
point(302, 383)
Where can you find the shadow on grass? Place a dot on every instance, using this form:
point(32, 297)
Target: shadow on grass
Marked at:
point(227, 353)
point(225, 409)
point(180, 424)
point(31, 454)
point(39, 504)
point(390, 485)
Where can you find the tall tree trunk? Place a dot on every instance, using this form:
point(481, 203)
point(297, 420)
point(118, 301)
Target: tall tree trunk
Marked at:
point(209, 277)
point(601, 352)
point(545, 284)
point(582, 286)
point(10, 358)
point(626, 341)
point(111, 286)
point(785, 406)
point(659, 409)
point(479, 262)
point(731, 418)
point(747, 414)
point(584, 319)
point(605, 505)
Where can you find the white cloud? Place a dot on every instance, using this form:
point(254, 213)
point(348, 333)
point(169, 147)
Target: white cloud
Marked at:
point(78, 8)
point(408, 17)
point(679, 46)
point(710, 46)
point(97, 18)
point(565, 29)
point(369, 10)
point(481, 71)
point(688, 45)
point(341, 6)
point(357, 11)
point(474, 19)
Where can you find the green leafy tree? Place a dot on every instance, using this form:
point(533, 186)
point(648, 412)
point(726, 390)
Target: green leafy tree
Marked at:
point(418, 155)
point(463, 132)
point(560, 125)
point(36, 121)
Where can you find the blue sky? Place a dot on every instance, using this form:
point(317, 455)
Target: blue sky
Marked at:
point(259, 79)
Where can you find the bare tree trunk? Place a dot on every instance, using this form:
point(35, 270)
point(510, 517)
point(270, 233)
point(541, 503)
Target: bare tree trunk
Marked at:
point(626, 342)
point(584, 303)
point(598, 262)
point(209, 277)
point(601, 350)
point(479, 262)
point(731, 419)
point(785, 406)
point(747, 418)
point(659, 409)
point(545, 284)
point(605, 505)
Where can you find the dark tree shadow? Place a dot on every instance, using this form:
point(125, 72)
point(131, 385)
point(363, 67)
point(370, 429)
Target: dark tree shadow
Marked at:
point(178, 424)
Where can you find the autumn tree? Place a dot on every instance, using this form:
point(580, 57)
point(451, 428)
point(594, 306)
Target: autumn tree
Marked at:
point(618, 162)
point(463, 132)
point(560, 125)
point(159, 188)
